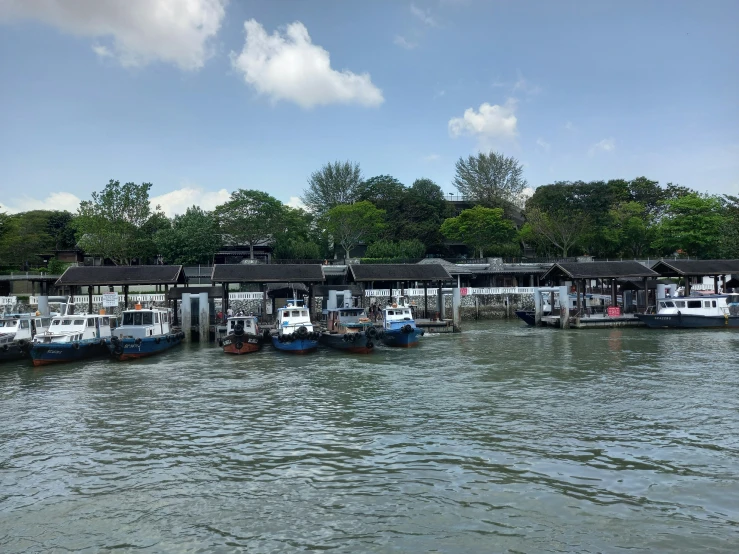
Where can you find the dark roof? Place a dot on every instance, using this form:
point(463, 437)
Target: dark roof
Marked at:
point(399, 272)
point(452, 269)
point(598, 270)
point(267, 273)
point(674, 268)
point(122, 275)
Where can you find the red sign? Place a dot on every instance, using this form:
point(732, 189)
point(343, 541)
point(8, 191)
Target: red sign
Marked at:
point(614, 311)
point(463, 291)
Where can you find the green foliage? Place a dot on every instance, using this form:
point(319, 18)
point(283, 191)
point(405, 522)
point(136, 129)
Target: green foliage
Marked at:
point(334, 184)
point(113, 224)
point(296, 237)
point(560, 228)
point(191, 238)
point(404, 249)
point(250, 217)
point(352, 224)
point(492, 179)
point(729, 246)
point(482, 229)
point(692, 225)
point(27, 235)
point(631, 230)
point(424, 209)
point(56, 267)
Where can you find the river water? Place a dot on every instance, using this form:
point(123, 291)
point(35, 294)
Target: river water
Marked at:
point(503, 438)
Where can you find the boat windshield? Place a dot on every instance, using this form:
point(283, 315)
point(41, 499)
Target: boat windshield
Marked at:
point(137, 318)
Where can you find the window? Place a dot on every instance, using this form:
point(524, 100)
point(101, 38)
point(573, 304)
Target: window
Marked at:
point(128, 318)
point(296, 313)
point(66, 322)
point(24, 324)
point(694, 303)
point(406, 312)
point(707, 304)
point(390, 312)
point(147, 318)
point(156, 318)
point(106, 321)
point(79, 322)
point(137, 318)
point(55, 322)
point(714, 303)
point(669, 304)
point(232, 324)
point(304, 313)
point(91, 322)
point(680, 303)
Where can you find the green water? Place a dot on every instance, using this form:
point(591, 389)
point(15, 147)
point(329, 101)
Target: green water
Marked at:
point(503, 438)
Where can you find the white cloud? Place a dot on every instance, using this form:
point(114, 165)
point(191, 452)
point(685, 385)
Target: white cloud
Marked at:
point(490, 121)
point(288, 66)
point(424, 16)
point(140, 31)
point(606, 145)
point(55, 201)
point(102, 51)
point(296, 202)
point(177, 201)
point(543, 144)
point(404, 42)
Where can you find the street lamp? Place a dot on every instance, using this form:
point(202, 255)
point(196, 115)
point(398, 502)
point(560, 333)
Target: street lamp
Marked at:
point(450, 197)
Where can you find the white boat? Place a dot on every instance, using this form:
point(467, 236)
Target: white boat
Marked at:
point(398, 326)
point(17, 332)
point(295, 331)
point(694, 312)
point(143, 332)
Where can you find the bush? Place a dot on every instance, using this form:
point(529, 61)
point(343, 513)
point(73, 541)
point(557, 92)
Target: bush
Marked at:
point(55, 267)
point(401, 249)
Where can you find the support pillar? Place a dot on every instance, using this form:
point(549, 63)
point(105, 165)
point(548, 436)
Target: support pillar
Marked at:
point(125, 297)
point(310, 302)
point(538, 301)
point(614, 298)
point(715, 284)
point(426, 299)
point(89, 300)
point(43, 305)
point(224, 300)
point(645, 284)
point(456, 316)
point(203, 317)
point(186, 305)
point(440, 301)
point(564, 307)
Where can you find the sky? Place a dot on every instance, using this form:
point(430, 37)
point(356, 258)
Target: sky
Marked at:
point(203, 97)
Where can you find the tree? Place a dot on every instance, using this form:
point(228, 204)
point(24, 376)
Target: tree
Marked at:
point(192, 238)
point(492, 180)
point(296, 237)
point(111, 224)
point(480, 228)
point(424, 209)
point(630, 228)
point(404, 249)
point(61, 230)
point(562, 229)
point(693, 224)
point(334, 184)
point(352, 224)
point(729, 247)
point(250, 217)
point(25, 239)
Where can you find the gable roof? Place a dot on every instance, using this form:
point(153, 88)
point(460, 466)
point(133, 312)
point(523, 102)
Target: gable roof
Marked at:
point(122, 275)
point(451, 269)
point(267, 273)
point(399, 272)
point(598, 270)
point(700, 268)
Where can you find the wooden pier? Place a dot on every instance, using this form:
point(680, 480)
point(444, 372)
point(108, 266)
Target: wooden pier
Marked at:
point(593, 322)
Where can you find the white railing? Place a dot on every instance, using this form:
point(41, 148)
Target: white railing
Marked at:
point(466, 291)
point(7, 300)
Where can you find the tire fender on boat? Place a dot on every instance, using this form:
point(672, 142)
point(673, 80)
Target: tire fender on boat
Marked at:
point(239, 345)
point(76, 346)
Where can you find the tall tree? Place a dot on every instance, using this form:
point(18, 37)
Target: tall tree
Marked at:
point(729, 247)
point(25, 239)
point(492, 180)
point(250, 217)
point(334, 184)
point(296, 237)
point(693, 224)
point(424, 210)
point(630, 229)
point(111, 224)
point(61, 230)
point(482, 229)
point(352, 224)
point(192, 238)
point(562, 229)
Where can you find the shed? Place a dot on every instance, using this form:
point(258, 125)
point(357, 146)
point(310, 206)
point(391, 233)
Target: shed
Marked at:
point(399, 272)
point(697, 268)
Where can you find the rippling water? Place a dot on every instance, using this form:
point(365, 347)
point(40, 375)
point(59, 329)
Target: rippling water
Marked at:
point(502, 438)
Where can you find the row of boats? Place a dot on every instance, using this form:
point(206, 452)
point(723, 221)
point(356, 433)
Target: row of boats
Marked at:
point(147, 331)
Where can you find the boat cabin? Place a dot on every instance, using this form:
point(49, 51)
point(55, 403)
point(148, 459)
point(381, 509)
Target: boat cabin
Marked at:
point(396, 315)
point(14, 327)
point(248, 322)
point(292, 317)
point(709, 305)
point(141, 323)
point(341, 319)
point(76, 327)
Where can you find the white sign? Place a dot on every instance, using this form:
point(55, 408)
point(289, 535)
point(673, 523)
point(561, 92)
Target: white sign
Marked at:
point(110, 299)
point(7, 300)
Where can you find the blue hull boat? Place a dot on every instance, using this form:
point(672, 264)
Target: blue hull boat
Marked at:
point(56, 352)
point(401, 337)
point(131, 349)
point(294, 346)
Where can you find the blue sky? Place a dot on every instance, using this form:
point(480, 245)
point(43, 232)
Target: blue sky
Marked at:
point(258, 94)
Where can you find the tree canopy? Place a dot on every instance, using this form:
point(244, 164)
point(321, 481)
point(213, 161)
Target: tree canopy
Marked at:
point(480, 228)
point(249, 217)
point(334, 184)
point(491, 179)
point(192, 238)
point(351, 224)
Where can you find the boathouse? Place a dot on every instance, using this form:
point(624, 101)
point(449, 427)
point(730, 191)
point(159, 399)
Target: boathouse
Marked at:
point(689, 269)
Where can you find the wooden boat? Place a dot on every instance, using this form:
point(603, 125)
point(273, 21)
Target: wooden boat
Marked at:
point(244, 335)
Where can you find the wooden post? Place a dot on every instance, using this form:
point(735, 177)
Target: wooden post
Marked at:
point(224, 299)
point(646, 293)
point(310, 301)
point(125, 297)
point(89, 299)
point(715, 284)
point(264, 301)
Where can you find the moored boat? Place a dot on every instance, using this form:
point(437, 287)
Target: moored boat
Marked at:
point(72, 337)
point(16, 333)
point(244, 335)
point(295, 332)
point(398, 326)
point(143, 332)
point(349, 329)
point(711, 311)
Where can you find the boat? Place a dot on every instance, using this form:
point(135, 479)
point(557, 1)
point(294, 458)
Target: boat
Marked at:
point(143, 332)
point(16, 333)
point(72, 337)
point(349, 329)
point(710, 311)
point(244, 335)
point(398, 326)
point(295, 333)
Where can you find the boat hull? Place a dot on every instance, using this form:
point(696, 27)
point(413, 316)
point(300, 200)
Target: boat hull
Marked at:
point(527, 316)
point(53, 353)
point(684, 321)
point(242, 344)
point(132, 349)
point(12, 351)
point(357, 343)
point(398, 338)
point(295, 346)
